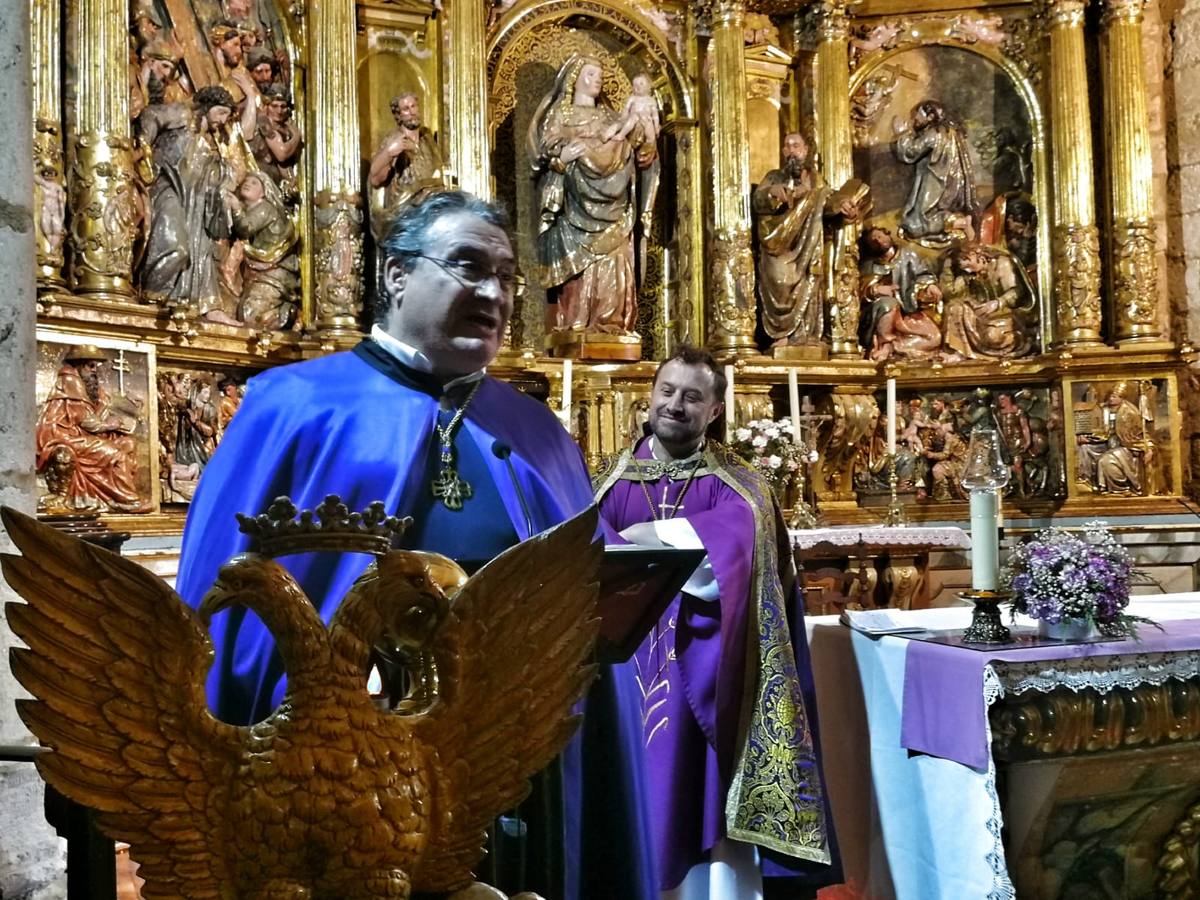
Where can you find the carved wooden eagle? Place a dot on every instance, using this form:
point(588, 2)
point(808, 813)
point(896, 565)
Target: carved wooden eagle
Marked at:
point(329, 797)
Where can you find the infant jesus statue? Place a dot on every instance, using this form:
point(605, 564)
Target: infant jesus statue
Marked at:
point(640, 109)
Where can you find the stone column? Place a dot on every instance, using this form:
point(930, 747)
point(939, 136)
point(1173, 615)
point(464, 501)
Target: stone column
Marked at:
point(834, 143)
point(1130, 175)
point(1076, 238)
point(337, 213)
point(32, 856)
point(49, 187)
point(104, 204)
point(466, 73)
point(731, 315)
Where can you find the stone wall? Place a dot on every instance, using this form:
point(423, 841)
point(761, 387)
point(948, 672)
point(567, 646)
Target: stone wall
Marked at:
point(1179, 40)
point(31, 857)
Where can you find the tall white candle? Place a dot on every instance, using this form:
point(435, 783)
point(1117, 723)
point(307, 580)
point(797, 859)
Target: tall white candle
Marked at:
point(794, 403)
point(891, 416)
point(566, 389)
point(729, 407)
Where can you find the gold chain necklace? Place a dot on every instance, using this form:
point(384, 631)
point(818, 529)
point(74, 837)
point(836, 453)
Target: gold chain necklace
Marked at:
point(448, 486)
point(663, 507)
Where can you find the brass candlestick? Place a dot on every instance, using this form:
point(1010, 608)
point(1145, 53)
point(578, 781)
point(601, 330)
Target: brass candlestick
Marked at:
point(894, 516)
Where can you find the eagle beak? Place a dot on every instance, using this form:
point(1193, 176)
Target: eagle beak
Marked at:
point(217, 599)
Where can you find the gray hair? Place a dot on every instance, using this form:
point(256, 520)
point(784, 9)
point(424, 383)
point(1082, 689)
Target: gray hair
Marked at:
point(405, 238)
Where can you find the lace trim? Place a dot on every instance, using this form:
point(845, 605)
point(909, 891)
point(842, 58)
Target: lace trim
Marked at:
point(1002, 885)
point(951, 538)
point(1101, 673)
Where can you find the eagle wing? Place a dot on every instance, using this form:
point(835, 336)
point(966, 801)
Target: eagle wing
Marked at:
point(513, 658)
point(116, 663)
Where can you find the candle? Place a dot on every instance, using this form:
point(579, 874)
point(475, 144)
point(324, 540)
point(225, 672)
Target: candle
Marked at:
point(794, 403)
point(891, 416)
point(985, 541)
point(729, 407)
point(566, 390)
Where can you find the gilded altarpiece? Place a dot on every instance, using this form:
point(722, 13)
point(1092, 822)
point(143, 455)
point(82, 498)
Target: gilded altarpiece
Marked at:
point(1011, 286)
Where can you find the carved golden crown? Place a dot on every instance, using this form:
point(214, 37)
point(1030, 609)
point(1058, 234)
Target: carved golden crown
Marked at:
point(331, 527)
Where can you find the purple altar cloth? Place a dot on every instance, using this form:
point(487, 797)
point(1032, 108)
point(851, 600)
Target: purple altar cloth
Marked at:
point(944, 713)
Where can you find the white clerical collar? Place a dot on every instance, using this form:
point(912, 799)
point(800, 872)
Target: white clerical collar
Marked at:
point(415, 359)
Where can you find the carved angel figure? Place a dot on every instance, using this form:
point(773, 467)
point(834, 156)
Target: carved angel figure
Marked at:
point(330, 796)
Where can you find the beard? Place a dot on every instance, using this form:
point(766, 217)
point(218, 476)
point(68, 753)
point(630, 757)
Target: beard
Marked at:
point(91, 384)
point(412, 123)
point(793, 166)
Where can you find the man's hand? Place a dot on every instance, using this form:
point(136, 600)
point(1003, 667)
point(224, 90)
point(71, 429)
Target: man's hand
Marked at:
point(849, 210)
point(642, 534)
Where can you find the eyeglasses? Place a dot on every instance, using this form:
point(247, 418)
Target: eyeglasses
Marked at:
point(472, 273)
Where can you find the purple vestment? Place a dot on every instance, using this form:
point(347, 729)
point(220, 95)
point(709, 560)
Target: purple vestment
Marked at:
point(699, 669)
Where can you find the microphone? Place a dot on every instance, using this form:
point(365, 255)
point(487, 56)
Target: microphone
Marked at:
point(502, 451)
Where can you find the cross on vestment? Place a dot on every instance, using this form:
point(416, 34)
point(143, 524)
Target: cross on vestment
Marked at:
point(664, 505)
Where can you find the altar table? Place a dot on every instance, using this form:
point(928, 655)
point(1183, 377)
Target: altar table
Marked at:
point(902, 552)
point(915, 826)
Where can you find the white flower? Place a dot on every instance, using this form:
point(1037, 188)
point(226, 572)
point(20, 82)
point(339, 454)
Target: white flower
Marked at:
point(759, 441)
point(742, 434)
point(772, 431)
point(774, 462)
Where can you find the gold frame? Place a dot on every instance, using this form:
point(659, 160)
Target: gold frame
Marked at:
point(934, 32)
point(51, 335)
point(1074, 494)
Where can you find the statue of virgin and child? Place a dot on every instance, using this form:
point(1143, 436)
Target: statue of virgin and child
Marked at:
point(597, 169)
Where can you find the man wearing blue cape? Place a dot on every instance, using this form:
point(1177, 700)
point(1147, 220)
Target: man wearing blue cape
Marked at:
point(409, 417)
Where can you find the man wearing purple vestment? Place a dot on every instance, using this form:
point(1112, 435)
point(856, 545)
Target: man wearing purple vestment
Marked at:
point(732, 775)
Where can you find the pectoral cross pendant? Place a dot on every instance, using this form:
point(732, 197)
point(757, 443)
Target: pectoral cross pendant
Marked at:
point(451, 489)
point(669, 510)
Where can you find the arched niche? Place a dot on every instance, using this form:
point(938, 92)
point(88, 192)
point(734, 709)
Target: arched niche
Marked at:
point(997, 104)
point(525, 51)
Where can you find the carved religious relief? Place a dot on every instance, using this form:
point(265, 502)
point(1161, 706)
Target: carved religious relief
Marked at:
point(949, 259)
point(844, 444)
point(194, 409)
point(50, 202)
point(94, 428)
point(406, 168)
point(590, 256)
point(1122, 437)
point(217, 150)
point(796, 212)
point(933, 431)
point(1076, 280)
point(1135, 273)
point(338, 259)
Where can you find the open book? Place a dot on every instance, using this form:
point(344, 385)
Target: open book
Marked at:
point(878, 621)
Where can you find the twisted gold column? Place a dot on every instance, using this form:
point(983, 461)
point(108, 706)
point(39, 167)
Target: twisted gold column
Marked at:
point(834, 144)
point(337, 213)
point(106, 210)
point(468, 98)
point(1130, 174)
point(732, 265)
point(1076, 239)
point(49, 179)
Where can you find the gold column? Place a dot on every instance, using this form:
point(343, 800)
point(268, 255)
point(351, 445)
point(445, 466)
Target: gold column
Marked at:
point(337, 214)
point(466, 66)
point(49, 180)
point(1076, 239)
point(104, 202)
point(732, 318)
point(1130, 174)
point(834, 143)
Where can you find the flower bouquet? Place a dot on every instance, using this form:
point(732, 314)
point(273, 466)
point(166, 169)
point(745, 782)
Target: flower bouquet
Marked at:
point(770, 448)
point(1073, 582)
